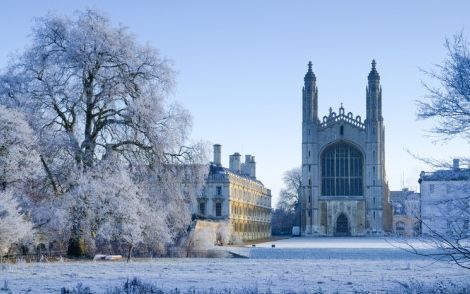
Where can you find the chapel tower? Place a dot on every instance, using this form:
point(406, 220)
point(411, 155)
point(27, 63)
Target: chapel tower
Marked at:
point(343, 171)
point(375, 157)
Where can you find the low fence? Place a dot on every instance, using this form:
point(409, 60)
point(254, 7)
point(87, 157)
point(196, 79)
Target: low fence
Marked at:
point(40, 256)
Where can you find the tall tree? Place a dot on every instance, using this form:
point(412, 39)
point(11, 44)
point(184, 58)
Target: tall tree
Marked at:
point(93, 86)
point(91, 91)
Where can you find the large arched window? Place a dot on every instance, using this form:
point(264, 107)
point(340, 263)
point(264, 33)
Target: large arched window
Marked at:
point(341, 171)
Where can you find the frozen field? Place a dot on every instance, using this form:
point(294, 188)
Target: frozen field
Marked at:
point(332, 264)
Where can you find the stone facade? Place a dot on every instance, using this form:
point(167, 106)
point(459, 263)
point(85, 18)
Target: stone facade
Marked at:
point(235, 195)
point(344, 191)
point(406, 212)
point(444, 201)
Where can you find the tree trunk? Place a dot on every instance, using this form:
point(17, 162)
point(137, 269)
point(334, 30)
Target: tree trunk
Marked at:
point(129, 252)
point(76, 246)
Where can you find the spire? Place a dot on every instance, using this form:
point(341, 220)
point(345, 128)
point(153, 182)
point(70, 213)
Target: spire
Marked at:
point(309, 76)
point(310, 96)
point(373, 75)
point(374, 95)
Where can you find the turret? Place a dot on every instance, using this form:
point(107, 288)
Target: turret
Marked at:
point(310, 124)
point(374, 95)
point(310, 96)
point(375, 154)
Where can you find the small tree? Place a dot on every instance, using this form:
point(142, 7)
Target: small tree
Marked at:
point(290, 194)
point(287, 213)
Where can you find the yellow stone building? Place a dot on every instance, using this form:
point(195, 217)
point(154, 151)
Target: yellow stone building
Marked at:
point(235, 195)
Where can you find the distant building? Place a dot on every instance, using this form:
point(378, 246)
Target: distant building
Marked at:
point(406, 212)
point(235, 195)
point(344, 188)
point(445, 202)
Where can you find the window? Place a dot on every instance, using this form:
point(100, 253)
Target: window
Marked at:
point(218, 209)
point(400, 227)
point(341, 130)
point(219, 190)
point(341, 171)
point(417, 229)
point(309, 167)
point(431, 188)
point(202, 208)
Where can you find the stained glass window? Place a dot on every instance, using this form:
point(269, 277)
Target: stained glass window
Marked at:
point(341, 171)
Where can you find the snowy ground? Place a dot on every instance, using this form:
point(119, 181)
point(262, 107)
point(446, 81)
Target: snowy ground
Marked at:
point(332, 264)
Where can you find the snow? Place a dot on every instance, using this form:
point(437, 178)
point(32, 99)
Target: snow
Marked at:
point(332, 264)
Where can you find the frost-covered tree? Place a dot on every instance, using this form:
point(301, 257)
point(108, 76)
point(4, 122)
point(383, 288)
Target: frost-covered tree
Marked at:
point(90, 92)
point(19, 165)
point(19, 161)
point(96, 89)
point(13, 225)
point(105, 204)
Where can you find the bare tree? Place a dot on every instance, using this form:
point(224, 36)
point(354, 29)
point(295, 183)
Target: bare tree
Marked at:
point(287, 213)
point(448, 104)
point(289, 195)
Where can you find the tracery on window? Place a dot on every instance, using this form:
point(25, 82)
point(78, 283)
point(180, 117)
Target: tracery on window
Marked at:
point(342, 171)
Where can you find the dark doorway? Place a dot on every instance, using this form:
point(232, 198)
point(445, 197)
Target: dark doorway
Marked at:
point(342, 225)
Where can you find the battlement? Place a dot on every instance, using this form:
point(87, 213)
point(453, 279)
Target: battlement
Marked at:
point(332, 118)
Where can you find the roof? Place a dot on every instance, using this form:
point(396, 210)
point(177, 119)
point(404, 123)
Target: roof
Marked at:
point(220, 170)
point(402, 195)
point(446, 175)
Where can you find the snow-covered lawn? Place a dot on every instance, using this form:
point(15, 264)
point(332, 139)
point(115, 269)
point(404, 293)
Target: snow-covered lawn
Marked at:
point(332, 264)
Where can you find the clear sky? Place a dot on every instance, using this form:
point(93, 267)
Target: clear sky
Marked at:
point(241, 64)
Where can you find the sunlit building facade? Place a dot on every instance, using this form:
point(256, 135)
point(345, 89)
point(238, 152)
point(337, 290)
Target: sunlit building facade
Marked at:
point(235, 195)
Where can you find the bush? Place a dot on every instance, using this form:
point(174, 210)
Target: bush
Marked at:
point(77, 290)
point(136, 286)
point(440, 287)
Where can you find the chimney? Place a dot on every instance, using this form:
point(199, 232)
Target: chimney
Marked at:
point(217, 154)
point(455, 165)
point(234, 165)
point(250, 166)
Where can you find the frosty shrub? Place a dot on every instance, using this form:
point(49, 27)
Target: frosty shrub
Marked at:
point(136, 286)
point(416, 287)
point(13, 225)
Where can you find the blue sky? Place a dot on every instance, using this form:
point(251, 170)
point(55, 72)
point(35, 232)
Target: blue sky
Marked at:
point(241, 64)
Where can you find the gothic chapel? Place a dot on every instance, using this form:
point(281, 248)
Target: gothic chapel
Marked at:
point(344, 191)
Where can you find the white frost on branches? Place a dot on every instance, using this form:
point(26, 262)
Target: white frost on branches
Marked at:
point(13, 225)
